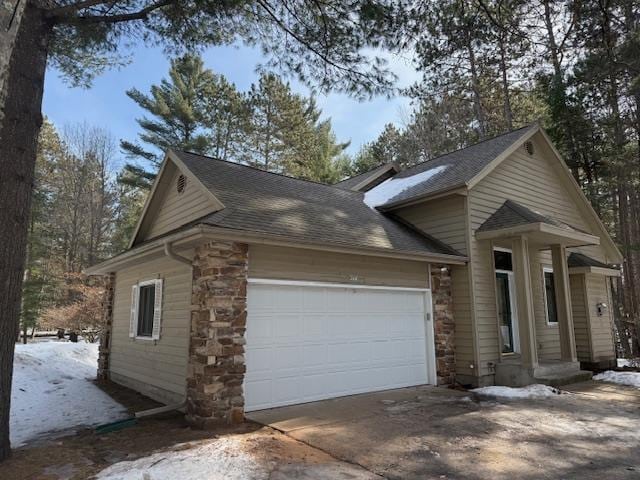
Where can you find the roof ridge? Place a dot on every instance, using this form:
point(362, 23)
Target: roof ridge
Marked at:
point(472, 145)
point(332, 186)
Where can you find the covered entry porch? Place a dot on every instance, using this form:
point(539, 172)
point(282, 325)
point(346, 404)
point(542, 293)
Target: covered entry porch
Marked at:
point(530, 262)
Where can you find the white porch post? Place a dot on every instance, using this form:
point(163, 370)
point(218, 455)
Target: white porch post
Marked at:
point(563, 303)
point(524, 296)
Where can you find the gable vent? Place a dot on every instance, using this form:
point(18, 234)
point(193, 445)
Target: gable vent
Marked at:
point(528, 146)
point(181, 183)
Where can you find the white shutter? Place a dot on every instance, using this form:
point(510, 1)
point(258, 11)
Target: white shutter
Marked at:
point(157, 311)
point(133, 321)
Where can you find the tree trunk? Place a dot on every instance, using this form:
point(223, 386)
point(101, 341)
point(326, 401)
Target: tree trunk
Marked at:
point(477, 97)
point(508, 114)
point(18, 147)
point(10, 17)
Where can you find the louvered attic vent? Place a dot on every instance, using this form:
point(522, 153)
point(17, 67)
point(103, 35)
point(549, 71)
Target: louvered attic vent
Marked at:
point(181, 183)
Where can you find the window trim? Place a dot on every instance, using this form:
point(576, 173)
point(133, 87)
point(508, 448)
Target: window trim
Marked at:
point(135, 307)
point(547, 269)
point(511, 284)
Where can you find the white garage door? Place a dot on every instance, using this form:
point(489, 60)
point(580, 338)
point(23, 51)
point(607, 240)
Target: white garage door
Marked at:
point(308, 342)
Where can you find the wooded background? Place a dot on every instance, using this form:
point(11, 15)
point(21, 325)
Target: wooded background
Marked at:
point(487, 68)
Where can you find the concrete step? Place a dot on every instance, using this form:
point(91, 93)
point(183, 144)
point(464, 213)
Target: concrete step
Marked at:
point(550, 369)
point(565, 378)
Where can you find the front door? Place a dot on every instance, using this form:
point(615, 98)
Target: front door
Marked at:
point(505, 312)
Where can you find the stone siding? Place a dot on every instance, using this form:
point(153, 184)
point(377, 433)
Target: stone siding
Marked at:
point(218, 322)
point(444, 324)
point(104, 349)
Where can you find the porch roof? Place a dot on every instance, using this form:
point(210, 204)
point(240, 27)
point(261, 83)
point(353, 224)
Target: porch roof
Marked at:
point(513, 219)
point(581, 263)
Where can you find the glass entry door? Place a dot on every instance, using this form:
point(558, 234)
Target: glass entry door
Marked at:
point(506, 312)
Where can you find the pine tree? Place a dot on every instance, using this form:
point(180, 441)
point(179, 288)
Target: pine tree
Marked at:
point(226, 119)
point(281, 125)
point(178, 113)
point(325, 161)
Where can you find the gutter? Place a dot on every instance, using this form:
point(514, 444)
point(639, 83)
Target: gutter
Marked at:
point(201, 230)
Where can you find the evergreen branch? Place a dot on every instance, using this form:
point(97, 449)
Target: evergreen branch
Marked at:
point(325, 58)
point(72, 8)
point(124, 17)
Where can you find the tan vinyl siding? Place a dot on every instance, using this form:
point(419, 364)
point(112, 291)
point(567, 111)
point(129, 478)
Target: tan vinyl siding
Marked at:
point(442, 218)
point(311, 265)
point(547, 335)
point(601, 329)
point(176, 209)
point(580, 317)
point(462, 314)
point(535, 183)
point(157, 369)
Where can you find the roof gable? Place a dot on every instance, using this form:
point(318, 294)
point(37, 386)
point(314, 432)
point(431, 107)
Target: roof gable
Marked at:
point(543, 182)
point(166, 209)
point(452, 170)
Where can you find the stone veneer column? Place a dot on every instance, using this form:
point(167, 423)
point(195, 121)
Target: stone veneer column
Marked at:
point(218, 320)
point(107, 326)
point(443, 323)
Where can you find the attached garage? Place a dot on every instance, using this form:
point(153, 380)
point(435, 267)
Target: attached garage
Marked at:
point(310, 341)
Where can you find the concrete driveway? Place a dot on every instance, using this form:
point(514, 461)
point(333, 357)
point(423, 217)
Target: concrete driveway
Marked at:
point(590, 432)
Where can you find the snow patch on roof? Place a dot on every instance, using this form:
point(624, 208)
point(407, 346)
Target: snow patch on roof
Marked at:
point(393, 187)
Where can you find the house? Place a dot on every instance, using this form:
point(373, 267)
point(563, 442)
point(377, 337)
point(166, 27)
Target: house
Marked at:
point(244, 290)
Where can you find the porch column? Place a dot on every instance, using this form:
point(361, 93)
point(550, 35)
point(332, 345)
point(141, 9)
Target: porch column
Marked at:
point(524, 297)
point(563, 303)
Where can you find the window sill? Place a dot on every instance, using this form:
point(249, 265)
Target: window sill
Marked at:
point(145, 339)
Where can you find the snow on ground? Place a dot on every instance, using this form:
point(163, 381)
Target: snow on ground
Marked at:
point(530, 391)
point(395, 186)
point(221, 459)
point(621, 378)
point(231, 458)
point(52, 390)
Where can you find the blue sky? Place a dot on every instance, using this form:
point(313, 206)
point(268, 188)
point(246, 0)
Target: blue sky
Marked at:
point(106, 104)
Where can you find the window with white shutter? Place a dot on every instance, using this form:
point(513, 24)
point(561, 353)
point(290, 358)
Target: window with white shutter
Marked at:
point(133, 321)
point(146, 310)
point(157, 311)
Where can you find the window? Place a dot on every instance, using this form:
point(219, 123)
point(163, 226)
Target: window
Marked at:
point(550, 296)
point(502, 260)
point(146, 303)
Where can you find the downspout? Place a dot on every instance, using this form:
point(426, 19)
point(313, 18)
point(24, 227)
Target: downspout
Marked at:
point(168, 251)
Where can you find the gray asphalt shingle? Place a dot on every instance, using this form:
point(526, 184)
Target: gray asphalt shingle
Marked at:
point(456, 168)
point(261, 202)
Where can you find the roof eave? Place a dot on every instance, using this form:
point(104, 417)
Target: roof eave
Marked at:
point(460, 189)
point(202, 232)
point(548, 233)
point(281, 240)
point(608, 272)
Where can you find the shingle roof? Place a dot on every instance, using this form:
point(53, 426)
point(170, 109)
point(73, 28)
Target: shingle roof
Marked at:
point(581, 260)
point(512, 214)
point(456, 168)
point(261, 202)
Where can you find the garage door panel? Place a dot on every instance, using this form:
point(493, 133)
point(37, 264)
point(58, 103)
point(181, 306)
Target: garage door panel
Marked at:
point(314, 325)
point(307, 343)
